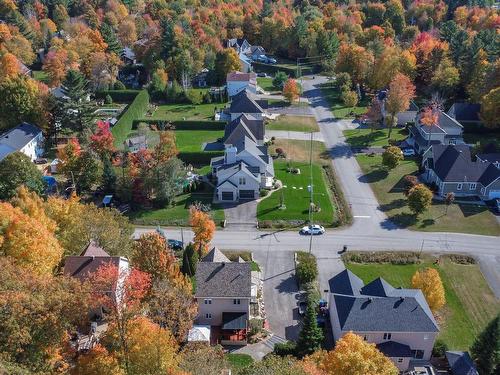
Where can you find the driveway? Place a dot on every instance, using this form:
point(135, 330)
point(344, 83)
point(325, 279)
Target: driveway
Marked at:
point(241, 214)
point(291, 110)
point(301, 136)
point(280, 292)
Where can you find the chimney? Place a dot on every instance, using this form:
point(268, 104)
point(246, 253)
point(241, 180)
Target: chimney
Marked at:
point(230, 156)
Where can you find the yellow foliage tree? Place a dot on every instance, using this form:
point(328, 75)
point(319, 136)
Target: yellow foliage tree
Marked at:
point(354, 356)
point(203, 227)
point(97, 361)
point(429, 282)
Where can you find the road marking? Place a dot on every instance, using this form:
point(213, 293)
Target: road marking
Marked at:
point(362, 216)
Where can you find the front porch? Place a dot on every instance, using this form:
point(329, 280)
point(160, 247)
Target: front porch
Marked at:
point(233, 331)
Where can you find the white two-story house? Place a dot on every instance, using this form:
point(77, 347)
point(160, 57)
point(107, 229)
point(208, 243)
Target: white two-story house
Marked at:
point(25, 138)
point(224, 294)
point(398, 321)
point(237, 82)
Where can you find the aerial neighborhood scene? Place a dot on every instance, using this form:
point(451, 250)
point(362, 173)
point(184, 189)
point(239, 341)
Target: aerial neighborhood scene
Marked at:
point(249, 187)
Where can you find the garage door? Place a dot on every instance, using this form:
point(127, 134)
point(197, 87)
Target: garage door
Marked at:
point(494, 194)
point(247, 194)
point(227, 196)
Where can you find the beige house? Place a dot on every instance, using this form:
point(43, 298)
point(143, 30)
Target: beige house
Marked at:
point(398, 321)
point(224, 294)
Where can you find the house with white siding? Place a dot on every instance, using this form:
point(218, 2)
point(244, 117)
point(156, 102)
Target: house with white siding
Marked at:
point(25, 138)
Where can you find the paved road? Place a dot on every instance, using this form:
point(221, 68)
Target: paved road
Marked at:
point(301, 136)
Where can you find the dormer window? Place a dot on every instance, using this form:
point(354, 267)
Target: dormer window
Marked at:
point(242, 181)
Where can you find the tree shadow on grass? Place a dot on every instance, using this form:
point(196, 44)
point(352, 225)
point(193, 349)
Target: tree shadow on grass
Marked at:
point(427, 222)
point(374, 176)
point(364, 140)
point(471, 210)
point(397, 203)
point(399, 186)
point(399, 221)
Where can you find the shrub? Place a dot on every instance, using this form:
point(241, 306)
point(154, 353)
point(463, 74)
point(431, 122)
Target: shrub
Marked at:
point(135, 110)
point(439, 349)
point(344, 215)
point(401, 257)
point(461, 259)
point(343, 79)
point(255, 326)
point(392, 156)
point(108, 99)
point(119, 86)
point(263, 192)
point(409, 181)
point(307, 269)
point(280, 79)
point(285, 349)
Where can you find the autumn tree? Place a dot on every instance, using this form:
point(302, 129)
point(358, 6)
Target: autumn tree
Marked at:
point(9, 65)
point(291, 90)
point(429, 282)
point(446, 78)
point(274, 365)
point(17, 169)
point(355, 60)
point(350, 98)
point(392, 156)
point(202, 359)
point(401, 92)
point(36, 313)
point(490, 108)
point(354, 356)
point(102, 141)
point(226, 61)
point(149, 348)
point(172, 307)
point(203, 227)
point(374, 113)
point(55, 64)
point(97, 361)
point(419, 199)
point(486, 348)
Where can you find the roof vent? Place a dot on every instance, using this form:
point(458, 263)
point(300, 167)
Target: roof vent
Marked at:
point(401, 299)
point(370, 299)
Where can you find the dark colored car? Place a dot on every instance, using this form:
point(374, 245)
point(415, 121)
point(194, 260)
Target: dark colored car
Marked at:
point(302, 307)
point(175, 244)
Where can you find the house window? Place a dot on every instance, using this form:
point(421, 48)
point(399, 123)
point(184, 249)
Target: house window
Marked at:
point(400, 360)
point(472, 186)
point(418, 354)
point(365, 338)
point(459, 186)
point(453, 141)
point(387, 336)
point(242, 181)
point(483, 190)
point(236, 301)
point(208, 316)
point(208, 302)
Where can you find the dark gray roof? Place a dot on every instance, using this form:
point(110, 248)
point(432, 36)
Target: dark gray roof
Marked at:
point(243, 102)
point(346, 282)
point(5, 150)
point(234, 320)
point(382, 314)
point(244, 126)
point(453, 163)
point(20, 136)
point(378, 287)
point(465, 112)
point(137, 140)
point(215, 255)
point(461, 363)
point(445, 124)
point(491, 157)
point(395, 349)
point(223, 279)
point(421, 141)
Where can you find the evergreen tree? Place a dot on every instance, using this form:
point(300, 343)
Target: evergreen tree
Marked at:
point(486, 348)
point(311, 336)
point(189, 260)
point(108, 177)
point(110, 38)
point(24, 26)
point(75, 110)
point(168, 38)
point(328, 43)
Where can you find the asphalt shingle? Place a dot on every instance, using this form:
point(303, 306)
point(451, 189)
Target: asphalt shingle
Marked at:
point(223, 280)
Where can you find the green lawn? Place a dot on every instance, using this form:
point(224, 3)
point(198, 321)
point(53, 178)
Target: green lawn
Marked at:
point(376, 138)
point(175, 112)
point(332, 95)
point(266, 83)
point(192, 140)
point(388, 187)
point(178, 214)
point(238, 361)
point(470, 303)
point(293, 123)
point(41, 76)
point(296, 196)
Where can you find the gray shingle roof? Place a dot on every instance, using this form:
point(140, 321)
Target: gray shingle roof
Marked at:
point(491, 157)
point(243, 102)
point(465, 111)
point(378, 287)
point(346, 282)
point(20, 136)
point(223, 280)
point(382, 314)
point(215, 255)
point(245, 125)
point(6, 150)
point(394, 349)
point(445, 124)
point(461, 363)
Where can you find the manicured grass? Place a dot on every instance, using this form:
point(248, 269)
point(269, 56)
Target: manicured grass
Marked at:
point(178, 213)
point(41, 76)
point(300, 150)
point(238, 361)
point(338, 108)
point(388, 187)
point(296, 195)
point(175, 112)
point(192, 140)
point(376, 138)
point(470, 303)
point(266, 83)
point(294, 123)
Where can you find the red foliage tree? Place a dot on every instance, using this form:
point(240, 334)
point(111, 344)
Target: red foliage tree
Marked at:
point(102, 140)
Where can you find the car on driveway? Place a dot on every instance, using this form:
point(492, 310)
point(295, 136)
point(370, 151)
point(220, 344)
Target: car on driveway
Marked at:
point(314, 229)
point(175, 244)
point(302, 307)
point(408, 152)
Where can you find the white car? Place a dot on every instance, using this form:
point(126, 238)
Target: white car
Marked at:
point(408, 152)
point(315, 229)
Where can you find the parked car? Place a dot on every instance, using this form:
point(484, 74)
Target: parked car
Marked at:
point(270, 60)
point(41, 161)
point(315, 230)
point(497, 204)
point(408, 152)
point(302, 307)
point(175, 244)
point(262, 75)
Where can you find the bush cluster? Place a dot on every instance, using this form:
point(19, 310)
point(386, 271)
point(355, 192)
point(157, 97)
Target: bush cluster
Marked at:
point(307, 268)
point(400, 257)
point(135, 110)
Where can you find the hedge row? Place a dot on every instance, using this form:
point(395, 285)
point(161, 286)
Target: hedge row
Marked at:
point(119, 96)
point(199, 158)
point(136, 109)
point(382, 257)
point(344, 215)
point(186, 125)
point(292, 72)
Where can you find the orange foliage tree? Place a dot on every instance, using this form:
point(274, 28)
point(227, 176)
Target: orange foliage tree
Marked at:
point(291, 90)
point(9, 65)
point(203, 227)
point(97, 361)
point(401, 92)
point(429, 282)
point(166, 148)
point(55, 65)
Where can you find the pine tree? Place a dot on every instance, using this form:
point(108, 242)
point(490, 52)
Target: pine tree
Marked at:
point(189, 260)
point(486, 348)
point(311, 336)
point(108, 177)
point(110, 38)
point(75, 110)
